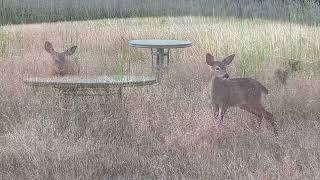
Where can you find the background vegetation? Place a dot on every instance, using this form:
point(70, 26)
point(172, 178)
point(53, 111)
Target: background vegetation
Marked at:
point(164, 131)
point(31, 11)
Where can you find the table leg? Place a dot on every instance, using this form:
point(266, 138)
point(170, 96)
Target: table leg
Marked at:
point(63, 123)
point(76, 111)
point(121, 98)
point(120, 93)
point(160, 65)
point(66, 99)
point(71, 113)
point(168, 57)
point(35, 90)
point(160, 57)
point(106, 106)
point(113, 108)
point(152, 55)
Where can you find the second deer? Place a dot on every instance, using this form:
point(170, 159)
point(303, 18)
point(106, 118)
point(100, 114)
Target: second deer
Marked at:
point(244, 93)
point(62, 64)
point(281, 74)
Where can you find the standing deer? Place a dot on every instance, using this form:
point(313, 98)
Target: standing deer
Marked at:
point(244, 93)
point(281, 74)
point(63, 65)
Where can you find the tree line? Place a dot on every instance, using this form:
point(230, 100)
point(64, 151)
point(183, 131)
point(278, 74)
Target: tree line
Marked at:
point(33, 11)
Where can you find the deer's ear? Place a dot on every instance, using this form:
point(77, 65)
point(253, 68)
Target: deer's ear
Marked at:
point(70, 51)
point(210, 59)
point(48, 47)
point(226, 61)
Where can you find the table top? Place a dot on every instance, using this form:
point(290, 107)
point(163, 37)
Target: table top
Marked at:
point(159, 43)
point(91, 82)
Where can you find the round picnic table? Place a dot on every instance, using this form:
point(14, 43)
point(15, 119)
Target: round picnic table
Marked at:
point(160, 45)
point(72, 86)
point(94, 85)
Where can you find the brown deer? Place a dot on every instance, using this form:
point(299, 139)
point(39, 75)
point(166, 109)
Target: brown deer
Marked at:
point(281, 74)
point(63, 64)
point(244, 93)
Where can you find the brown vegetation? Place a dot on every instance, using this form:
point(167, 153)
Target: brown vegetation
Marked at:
point(166, 131)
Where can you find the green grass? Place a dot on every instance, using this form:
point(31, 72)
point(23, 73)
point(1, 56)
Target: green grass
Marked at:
point(165, 131)
point(32, 11)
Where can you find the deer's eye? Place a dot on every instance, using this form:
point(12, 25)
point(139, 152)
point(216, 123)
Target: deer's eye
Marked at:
point(217, 68)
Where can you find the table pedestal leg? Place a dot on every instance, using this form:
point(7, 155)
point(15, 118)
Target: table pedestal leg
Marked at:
point(64, 120)
point(160, 66)
point(120, 93)
point(120, 99)
point(71, 112)
point(35, 90)
point(119, 102)
point(160, 57)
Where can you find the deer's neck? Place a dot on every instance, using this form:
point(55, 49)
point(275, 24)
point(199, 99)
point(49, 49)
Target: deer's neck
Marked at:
point(219, 80)
point(219, 83)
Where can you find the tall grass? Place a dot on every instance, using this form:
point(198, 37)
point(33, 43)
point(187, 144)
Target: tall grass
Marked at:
point(31, 11)
point(165, 131)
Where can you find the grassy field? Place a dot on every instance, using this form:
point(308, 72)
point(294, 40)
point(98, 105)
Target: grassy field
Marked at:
point(165, 131)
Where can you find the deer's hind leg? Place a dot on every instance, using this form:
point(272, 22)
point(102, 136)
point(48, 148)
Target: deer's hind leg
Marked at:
point(267, 115)
point(215, 109)
point(253, 110)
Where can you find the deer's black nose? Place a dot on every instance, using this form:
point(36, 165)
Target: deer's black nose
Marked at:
point(226, 76)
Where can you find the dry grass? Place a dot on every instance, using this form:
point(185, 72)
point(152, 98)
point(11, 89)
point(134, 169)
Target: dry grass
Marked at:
point(166, 131)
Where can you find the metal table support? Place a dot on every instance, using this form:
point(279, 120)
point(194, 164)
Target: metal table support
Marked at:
point(160, 50)
point(72, 87)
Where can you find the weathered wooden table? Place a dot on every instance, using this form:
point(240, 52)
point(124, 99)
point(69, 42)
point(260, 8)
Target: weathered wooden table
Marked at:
point(160, 48)
point(89, 86)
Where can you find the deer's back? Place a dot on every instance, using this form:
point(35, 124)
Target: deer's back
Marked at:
point(237, 91)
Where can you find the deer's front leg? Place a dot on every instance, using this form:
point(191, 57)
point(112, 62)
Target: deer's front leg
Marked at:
point(220, 114)
point(222, 111)
point(215, 109)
